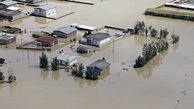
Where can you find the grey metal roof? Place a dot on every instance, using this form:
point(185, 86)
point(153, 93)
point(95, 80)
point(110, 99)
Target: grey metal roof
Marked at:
point(47, 6)
point(8, 2)
point(66, 29)
point(98, 36)
point(10, 12)
point(101, 63)
point(6, 37)
point(66, 58)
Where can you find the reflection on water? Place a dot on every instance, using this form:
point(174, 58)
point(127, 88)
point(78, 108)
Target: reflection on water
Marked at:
point(140, 40)
point(41, 20)
point(55, 75)
point(82, 82)
point(175, 46)
point(12, 88)
point(43, 74)
point(146, 71)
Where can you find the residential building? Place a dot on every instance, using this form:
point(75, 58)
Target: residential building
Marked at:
point(67, 60)
point(98, 39)
point(11, 14)
point(47, 41)
point(6, 4)
point(100, 66)
point(47, 10)
point(65, 32)
point(6, 39)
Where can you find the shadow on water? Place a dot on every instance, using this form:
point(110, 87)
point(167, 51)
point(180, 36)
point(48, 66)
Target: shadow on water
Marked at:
point(146, 71)
point(83, 82)
point(44, 74)
point(12, 88)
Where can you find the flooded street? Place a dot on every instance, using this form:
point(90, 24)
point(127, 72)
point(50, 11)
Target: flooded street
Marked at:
point(166, 82)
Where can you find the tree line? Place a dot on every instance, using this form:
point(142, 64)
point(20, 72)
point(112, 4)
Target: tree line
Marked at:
point(141, 28)
point(149, 51)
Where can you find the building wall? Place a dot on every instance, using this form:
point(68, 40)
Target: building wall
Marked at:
point(3, 6)
point(10, 18)
point(67, 63)
point(51, 12)
point(104, 42)
point(45, 13)
point(63, 35)
point(47, 44)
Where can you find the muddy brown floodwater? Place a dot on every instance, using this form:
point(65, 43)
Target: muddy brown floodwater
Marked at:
point(166, 82)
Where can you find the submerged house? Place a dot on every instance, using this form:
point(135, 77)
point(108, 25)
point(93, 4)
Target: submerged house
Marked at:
point(65, 32)
point(6, 4)
point(11, 14)
point(67, 60)
point(100, 66)
point(46, 10)
point(6, 39)
point(98, 39)
point(47, 41)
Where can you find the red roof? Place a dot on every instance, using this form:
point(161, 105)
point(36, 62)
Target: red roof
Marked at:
point(47, 39)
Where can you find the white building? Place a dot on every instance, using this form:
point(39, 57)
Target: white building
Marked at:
point(47, 10)
point(66, 60)
point(98, 39)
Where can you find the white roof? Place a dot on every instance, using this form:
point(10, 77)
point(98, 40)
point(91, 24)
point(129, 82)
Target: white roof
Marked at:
point(46, 6)
point(86, 27)
point(83, 26)
point(13, 8)
point(189, 6)
point(66, 58)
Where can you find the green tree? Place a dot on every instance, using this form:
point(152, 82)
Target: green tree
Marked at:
point(2, 60)
point(140, 62)
point(55, 64)
point(175, 38)
point(163, 33)
point(154, 32)
point(74, 70)
point(2, 77)
point(43, 61)
point(11, 78)
point(91, 75)
point(139, 27)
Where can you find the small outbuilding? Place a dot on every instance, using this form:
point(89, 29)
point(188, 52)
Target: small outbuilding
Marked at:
point(10, 14)
point(6, 39)
point(67, 60)
point(7, 3)
point(98, 39)
point(82, 49)
point(33, 1)
point(47, 10)
point(100, 66)
point(47, 41)
point(65, 32)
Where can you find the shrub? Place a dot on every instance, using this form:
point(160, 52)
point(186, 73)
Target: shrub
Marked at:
point(2, 77)
point(11, 78)
point(2, 60)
